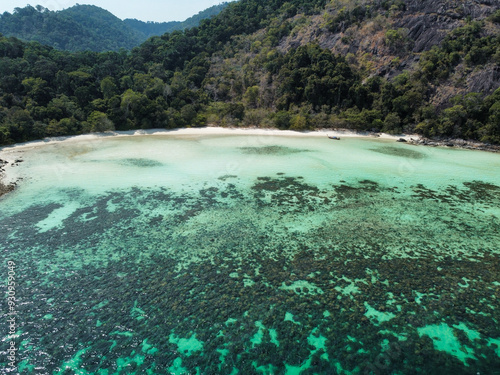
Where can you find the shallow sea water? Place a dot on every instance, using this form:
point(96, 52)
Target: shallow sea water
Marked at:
point(253, 255)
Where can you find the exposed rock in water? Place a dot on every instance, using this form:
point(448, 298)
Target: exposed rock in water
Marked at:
point(3, 163)
point(4, 189)
point(460, 143)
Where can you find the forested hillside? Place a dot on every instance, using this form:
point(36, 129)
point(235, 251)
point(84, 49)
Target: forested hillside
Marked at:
point(395, 66)
point(149, 29)
point(87, 27)
point(79, 28)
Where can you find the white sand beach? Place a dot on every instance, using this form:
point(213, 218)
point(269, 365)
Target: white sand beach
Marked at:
point(209, 130)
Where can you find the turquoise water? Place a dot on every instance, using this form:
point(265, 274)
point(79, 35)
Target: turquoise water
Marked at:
point(253, 255)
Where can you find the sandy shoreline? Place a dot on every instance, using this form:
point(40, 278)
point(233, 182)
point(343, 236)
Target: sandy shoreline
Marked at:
point(204, 131)
point(11, 155)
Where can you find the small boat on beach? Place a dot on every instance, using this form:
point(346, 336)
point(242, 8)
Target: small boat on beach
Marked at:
point(334, 137)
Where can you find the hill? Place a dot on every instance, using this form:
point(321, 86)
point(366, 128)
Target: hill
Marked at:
point(81, 27)
point(149, 29)
point(423, 66)
point(87, 27)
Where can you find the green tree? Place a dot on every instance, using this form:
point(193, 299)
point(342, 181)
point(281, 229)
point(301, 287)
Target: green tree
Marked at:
point(99, 122)
point(392, 124)
point(134, 104)
point(282, 119)
point(188, 114)
point(20, 124)
point(251, 97)
point(108, 87)
point(316, 76)
point(36, 88)
point(62, 127)
point(491, 131)
point(397, 39)
point(5, 135)
point(298, 122)
point(452, 120)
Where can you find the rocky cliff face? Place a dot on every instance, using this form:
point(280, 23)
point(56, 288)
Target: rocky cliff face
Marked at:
point(429, 21)
point(420, 24)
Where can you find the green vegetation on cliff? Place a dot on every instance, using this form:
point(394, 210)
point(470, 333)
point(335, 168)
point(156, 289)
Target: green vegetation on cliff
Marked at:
point(265, 63)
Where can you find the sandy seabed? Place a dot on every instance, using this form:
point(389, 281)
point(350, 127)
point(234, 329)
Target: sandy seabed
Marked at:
point(15, 152)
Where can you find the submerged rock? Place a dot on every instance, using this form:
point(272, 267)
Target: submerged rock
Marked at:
point(4, 189)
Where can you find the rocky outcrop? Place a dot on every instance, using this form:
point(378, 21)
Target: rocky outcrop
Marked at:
point(426, 23)
point(484, 80)
point(4, 189)
point(459, 143)
point(429, 21)
point(426, 30)
point(7, 187)
point(454, 9)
